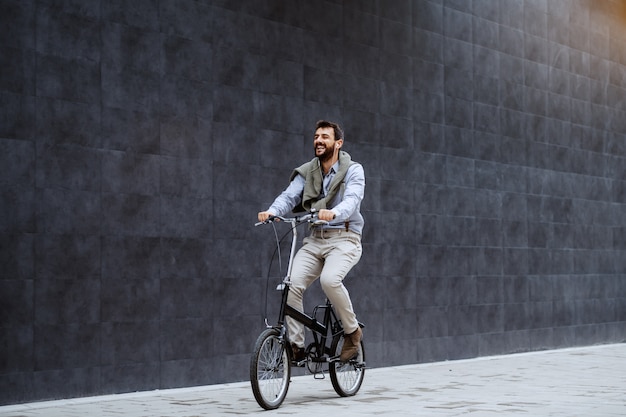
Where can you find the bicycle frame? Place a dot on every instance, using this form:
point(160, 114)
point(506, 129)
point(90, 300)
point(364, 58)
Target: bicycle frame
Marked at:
point(320, 329)
point(330, 321)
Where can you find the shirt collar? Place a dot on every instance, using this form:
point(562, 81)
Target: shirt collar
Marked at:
point(334, 168)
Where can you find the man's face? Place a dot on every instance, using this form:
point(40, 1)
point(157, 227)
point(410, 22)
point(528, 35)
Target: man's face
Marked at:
point(325, 144)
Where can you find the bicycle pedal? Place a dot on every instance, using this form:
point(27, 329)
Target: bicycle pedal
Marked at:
point(319, 375)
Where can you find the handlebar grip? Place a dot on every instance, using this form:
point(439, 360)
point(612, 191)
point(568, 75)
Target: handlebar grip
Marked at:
point(269, 220)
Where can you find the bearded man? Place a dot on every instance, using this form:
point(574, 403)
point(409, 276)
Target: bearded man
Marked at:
point(333, 185)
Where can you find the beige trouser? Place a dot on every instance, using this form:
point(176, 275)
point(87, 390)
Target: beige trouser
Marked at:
point(330, 257)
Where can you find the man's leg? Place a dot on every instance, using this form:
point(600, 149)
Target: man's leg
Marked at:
point(307, 266)
point(345, 253)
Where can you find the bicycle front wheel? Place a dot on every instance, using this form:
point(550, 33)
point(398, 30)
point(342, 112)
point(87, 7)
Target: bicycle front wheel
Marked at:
point(347, 377)
point(270, 370)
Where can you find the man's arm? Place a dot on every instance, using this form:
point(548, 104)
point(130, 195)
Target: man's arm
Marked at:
point(353, 193)
point(286, 201)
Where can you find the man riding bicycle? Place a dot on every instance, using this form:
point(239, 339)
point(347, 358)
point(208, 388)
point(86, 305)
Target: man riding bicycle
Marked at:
point(333, 185)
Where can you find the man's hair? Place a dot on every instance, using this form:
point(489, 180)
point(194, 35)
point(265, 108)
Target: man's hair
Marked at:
point(335, 126)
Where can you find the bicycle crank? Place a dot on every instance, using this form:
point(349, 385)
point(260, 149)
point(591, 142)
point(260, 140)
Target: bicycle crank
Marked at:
point(316, 368)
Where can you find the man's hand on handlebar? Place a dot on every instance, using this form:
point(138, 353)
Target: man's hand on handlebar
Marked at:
point(264, 215)
point(326, 215)
point(319, 217)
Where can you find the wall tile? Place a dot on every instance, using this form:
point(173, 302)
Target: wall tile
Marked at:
point(17, 113)
point(19, 20)
point(18, 73)
point(363, 28)
point(130, 343)
point(130, 301)
point(130, 377)
point(182, 298)
point(396, 37)
point(428, 46)
point(181, 97)
point(489, 290)
point(66, 122)
point(428, 16)
point(62, 383)
point(177, 334)
point(132, 131)
point(72, 79)
point(68, 35)
point(323, 86)
point(22, 385)
point(63, 301)
point(130, 89)
point(131, 214)
point(67, 212)
point(185, 258)
point(144, 15)
point(66, 348)
point(330, 25)
point(67, 256)
point(457, 24)
point(17, 302)
point(17, 256)
point(69, 167)
point(130, 173)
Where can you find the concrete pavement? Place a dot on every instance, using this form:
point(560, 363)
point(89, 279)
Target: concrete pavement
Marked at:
point(585, 382)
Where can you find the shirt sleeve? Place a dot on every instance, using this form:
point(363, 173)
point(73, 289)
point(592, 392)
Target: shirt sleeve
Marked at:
point(290, 198)
point(353, 194)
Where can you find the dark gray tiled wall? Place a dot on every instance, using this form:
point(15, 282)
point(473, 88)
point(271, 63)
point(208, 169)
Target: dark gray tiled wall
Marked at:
point(139, 139)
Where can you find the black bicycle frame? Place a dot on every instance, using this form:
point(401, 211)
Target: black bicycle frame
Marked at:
point(312, 323)
point(319, 328)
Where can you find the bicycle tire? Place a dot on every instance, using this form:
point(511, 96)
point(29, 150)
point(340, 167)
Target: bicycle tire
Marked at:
point(270, 369)
point(346, 377)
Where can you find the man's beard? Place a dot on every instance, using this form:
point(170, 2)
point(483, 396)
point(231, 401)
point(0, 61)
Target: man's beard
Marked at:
point(327, 155)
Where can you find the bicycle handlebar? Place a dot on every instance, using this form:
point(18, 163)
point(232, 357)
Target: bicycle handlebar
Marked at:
point(309, 217)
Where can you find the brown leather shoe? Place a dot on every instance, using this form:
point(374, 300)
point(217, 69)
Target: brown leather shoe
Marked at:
point(351, 344)
point(298, 353)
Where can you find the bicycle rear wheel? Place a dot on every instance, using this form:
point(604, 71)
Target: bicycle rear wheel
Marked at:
point(346, 377)
point(270, 369)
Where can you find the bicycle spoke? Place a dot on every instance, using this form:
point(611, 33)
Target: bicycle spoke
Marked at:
point(269, 375)
point(347, 377)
